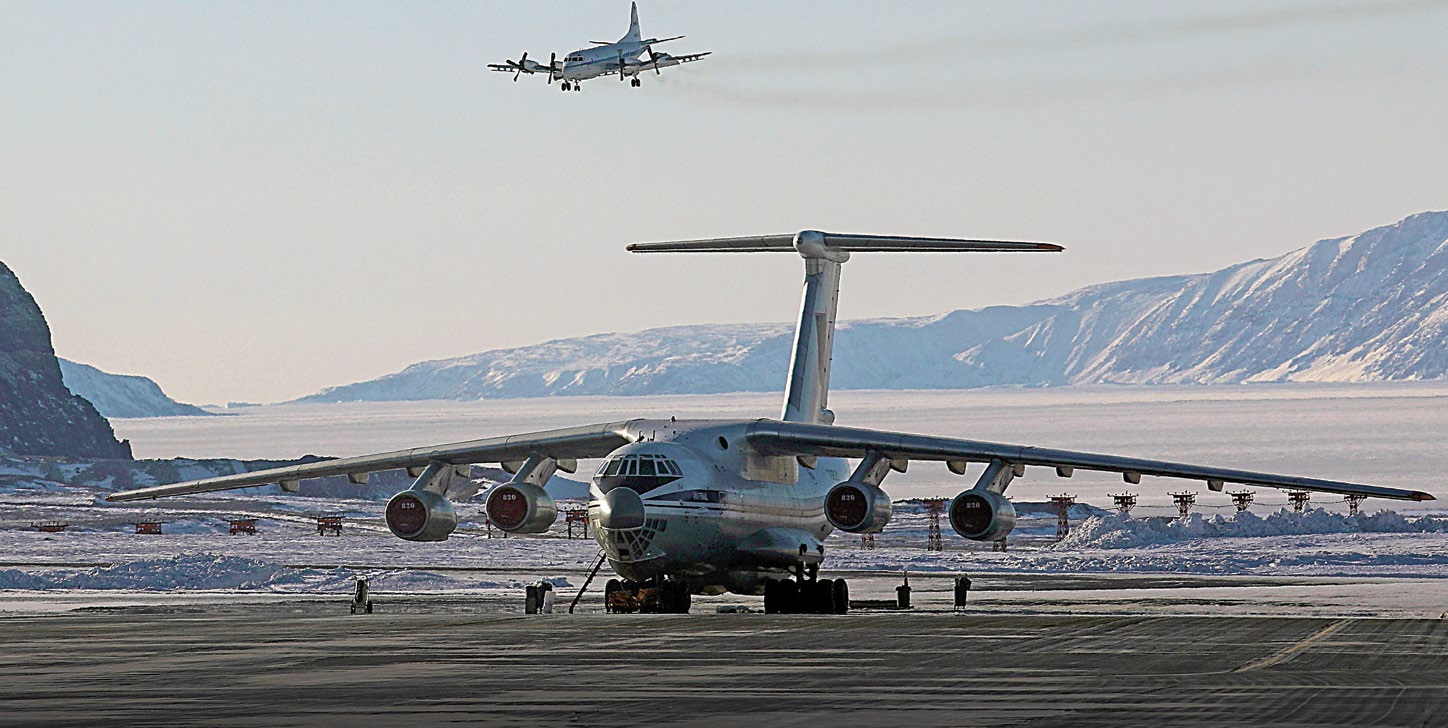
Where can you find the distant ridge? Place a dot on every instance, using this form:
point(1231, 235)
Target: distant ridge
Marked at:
point(1368, 307)
point(123, 395)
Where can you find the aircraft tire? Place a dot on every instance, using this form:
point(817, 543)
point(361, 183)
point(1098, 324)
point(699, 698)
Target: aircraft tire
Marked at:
point(771, 596)
point(613, 585)
point(683, 599)
point(822, 597)
point(840, 597)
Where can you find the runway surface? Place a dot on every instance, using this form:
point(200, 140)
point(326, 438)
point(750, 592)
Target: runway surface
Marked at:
point(294, 664)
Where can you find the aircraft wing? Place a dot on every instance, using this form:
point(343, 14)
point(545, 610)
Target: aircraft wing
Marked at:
point(687, 58)
point(640, 65)
point(589, 441)
point(795, 438)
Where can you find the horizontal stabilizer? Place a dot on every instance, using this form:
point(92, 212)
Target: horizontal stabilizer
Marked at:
point(844, 243)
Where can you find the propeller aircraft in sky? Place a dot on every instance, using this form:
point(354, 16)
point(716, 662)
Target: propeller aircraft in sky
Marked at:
point(628, 58)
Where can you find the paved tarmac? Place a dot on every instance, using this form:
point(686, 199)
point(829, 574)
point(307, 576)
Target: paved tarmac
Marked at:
point(290, 664)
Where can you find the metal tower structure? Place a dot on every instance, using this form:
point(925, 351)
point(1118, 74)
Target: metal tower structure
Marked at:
point(1184, 502)
point(1298, 499)
point(1243, 499)
point(1063, 505)
point(1124, 502)
point(933, 508)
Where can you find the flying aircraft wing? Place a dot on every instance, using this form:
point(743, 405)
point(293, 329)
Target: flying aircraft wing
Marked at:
point(589, 441)
point(793, 438)
point(686, 58)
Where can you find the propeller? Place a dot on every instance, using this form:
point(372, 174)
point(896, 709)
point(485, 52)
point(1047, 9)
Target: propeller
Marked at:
point(552, 67)
point(653, 59)
point(520, 64)
point(620, 67)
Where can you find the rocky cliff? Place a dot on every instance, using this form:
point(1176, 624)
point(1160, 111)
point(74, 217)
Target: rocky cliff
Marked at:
point(38, 415)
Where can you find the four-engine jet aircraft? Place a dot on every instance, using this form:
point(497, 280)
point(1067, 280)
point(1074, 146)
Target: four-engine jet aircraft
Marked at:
point(708, 506)
point(631, 56)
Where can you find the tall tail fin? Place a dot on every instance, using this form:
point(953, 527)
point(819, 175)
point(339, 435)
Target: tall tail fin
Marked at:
point(633, 35)
point(806, 396)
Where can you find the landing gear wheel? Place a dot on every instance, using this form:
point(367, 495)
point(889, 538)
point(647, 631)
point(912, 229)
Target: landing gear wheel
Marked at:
point(781, 596)
point(822, 597)
point(841, 597)
point(634, 82)
point(567, 86)
point(612, 587)
point(676, 597)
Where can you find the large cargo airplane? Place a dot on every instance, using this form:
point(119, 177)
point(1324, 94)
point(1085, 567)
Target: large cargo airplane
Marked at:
point(684, 507)
point(628, 58)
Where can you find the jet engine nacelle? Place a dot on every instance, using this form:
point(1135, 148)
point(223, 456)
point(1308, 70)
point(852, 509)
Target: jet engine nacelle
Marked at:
point(981, 515)
point(857, 507)
point(521, 508)
point(421, 515)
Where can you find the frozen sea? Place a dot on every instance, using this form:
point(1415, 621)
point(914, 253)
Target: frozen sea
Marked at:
point(1388, 434)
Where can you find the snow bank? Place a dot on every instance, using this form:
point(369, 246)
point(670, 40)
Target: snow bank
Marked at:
point(185, 571)
point(202, 572)
point(1117, 531)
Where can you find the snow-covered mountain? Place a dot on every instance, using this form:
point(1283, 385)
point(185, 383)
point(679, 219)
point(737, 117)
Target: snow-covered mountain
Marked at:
point(1369, 307)
point(122, 395)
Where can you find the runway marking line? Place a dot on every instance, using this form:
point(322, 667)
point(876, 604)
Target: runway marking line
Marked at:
point(1295, 649)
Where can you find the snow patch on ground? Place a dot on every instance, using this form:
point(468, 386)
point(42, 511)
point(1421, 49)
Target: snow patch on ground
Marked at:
point(184, 571)
point(213, 572)
point(1118, 531)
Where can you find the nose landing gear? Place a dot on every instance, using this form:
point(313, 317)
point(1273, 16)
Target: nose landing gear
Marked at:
point(806, 594)
point(655, 596)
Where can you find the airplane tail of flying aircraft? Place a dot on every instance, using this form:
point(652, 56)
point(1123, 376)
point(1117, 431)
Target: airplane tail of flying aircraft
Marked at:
point(632, 36)
point(807, 392)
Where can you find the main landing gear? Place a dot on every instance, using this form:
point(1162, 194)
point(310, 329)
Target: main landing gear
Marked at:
point(806, 594)
point(635, 82)
point(655, 596)
point(571, 86)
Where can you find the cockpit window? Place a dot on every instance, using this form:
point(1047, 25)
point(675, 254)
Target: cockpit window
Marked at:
point(641, 472)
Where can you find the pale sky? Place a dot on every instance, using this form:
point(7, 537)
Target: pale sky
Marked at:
point(252, 201)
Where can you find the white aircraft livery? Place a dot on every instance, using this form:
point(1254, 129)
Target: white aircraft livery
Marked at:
point(627, 58)
point(683, 507)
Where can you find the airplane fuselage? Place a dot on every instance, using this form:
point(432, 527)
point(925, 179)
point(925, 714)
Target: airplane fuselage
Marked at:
point(713, 513)
point(587, 63)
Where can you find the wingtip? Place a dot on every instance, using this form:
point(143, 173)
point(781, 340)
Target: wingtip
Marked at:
point(1421, 496)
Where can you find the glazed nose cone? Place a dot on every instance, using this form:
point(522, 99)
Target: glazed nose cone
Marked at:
point(621, 508)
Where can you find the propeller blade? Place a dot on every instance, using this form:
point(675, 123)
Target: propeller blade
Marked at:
point(654, 60)
point(521, 64)
point(552, 67)
point(620, 66)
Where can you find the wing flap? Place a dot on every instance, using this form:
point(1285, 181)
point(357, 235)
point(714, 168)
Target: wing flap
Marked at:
point(789, 438)
point(589, 441)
